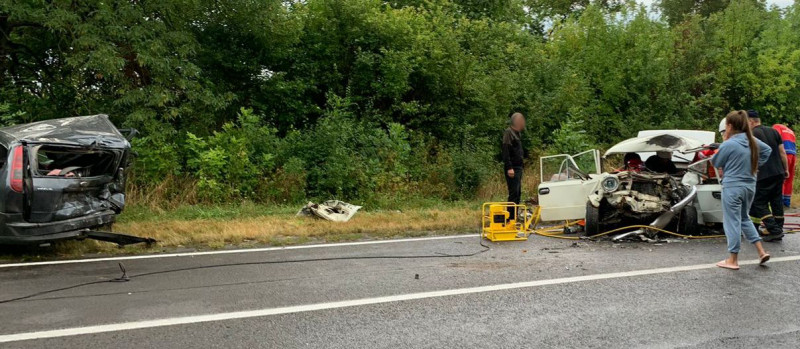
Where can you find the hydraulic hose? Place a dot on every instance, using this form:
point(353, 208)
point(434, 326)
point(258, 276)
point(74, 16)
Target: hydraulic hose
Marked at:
point(552, 232)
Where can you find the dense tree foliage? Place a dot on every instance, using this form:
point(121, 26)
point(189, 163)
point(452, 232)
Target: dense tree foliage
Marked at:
point(278, 100)
point(675, 11)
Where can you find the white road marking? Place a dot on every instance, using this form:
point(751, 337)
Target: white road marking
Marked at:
point(244, 250)
point(125, 326)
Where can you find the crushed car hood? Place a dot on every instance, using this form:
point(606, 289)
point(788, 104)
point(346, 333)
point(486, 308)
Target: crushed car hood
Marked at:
point(91, 130)
point(663, 142)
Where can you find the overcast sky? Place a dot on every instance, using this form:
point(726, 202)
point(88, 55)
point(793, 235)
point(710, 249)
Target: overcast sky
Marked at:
point(781, 3)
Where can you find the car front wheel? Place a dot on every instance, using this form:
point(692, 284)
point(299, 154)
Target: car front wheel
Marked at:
point(687, 222)
point(592, 219)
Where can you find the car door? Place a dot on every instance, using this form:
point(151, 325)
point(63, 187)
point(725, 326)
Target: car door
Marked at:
point(708, 201)
point(566, 181)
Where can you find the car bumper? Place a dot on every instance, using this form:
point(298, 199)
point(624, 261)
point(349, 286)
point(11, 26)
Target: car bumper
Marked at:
point(17, 231)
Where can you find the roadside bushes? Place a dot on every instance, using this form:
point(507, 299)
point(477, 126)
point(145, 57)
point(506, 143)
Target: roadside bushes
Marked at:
point(230, 163)
point(338, 157)
point(383, 101)
point(286, 185)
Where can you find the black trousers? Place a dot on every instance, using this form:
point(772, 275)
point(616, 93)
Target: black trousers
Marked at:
point(768, 204)
point(515, 189)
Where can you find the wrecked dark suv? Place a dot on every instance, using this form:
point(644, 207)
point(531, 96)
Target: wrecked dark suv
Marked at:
point(61, 178)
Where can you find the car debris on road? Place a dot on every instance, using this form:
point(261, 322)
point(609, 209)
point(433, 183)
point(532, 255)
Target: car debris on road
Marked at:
point(331, 210)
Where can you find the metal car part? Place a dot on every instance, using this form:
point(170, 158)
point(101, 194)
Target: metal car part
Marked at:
point(664, 219)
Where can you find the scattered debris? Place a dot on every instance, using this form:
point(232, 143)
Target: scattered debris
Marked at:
point(332, 210)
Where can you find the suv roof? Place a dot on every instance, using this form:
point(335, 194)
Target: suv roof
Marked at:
point(79, 130)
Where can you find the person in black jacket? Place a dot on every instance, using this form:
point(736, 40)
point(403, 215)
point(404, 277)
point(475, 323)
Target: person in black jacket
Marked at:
point(768, 202)
point(513, 154)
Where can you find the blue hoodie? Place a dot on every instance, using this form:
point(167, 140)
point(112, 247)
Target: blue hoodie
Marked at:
point(734, 159)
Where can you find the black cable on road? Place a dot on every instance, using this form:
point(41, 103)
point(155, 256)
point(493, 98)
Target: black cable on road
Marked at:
point(125, 277)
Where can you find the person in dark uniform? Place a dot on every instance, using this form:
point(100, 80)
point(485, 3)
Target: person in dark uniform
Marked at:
point(661, 163)
point(768, 201)
point(513, 155)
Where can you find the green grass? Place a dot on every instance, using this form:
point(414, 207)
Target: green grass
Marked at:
point(192, 212)
point(138, 213)
point(209, 227)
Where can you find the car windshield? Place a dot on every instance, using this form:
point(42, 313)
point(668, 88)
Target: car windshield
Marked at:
point(587, 161)
point(563, 167)
point(704, 168)
point(700, 166)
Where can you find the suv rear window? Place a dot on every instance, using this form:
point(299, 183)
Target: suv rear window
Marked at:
point(64, 161)
point(3, 155)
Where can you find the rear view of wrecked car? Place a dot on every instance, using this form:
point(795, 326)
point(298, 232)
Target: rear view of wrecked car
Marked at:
point(61, 178)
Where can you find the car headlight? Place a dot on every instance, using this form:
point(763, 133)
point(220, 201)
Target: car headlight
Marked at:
point(610, 184)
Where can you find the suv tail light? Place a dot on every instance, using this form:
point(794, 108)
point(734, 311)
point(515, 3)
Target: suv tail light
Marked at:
point(15, 176)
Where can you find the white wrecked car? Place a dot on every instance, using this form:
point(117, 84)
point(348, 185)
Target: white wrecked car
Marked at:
point(687, 200)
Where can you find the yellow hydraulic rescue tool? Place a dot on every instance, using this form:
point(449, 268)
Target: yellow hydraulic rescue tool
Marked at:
point(497, 225)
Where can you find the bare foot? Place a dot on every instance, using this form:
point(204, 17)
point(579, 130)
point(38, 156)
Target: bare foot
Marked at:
point(763, 259)
point(726, 265)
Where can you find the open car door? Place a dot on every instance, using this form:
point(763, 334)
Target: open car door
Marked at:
point(565, 184)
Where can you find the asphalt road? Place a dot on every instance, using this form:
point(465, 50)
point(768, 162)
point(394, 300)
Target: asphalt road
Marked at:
point(534, 294)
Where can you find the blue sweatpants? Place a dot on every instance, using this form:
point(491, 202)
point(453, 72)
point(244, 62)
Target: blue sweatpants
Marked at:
point(736, 203)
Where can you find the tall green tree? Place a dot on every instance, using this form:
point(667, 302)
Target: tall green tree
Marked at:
point(357, 97)
point(675, 11)
point(130, 59)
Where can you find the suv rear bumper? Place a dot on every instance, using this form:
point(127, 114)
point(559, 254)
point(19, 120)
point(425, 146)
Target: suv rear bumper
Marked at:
point(16, 231)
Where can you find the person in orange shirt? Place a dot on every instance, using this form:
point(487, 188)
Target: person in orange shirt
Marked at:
point(790, 144)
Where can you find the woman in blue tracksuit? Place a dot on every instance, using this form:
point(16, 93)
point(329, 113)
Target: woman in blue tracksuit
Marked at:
point(739, 157)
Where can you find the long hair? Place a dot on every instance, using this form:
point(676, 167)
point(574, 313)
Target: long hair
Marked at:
point(738, 121)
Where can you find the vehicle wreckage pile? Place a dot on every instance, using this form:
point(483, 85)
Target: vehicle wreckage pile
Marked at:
point(636, 195)
point(686, 201)
point(331, 210)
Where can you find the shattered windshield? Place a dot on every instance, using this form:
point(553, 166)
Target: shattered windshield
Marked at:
point(700, 166)
point(587, 161)
point(704, 168)
point(563, 167)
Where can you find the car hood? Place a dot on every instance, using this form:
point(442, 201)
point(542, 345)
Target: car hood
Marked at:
point(663, 142)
